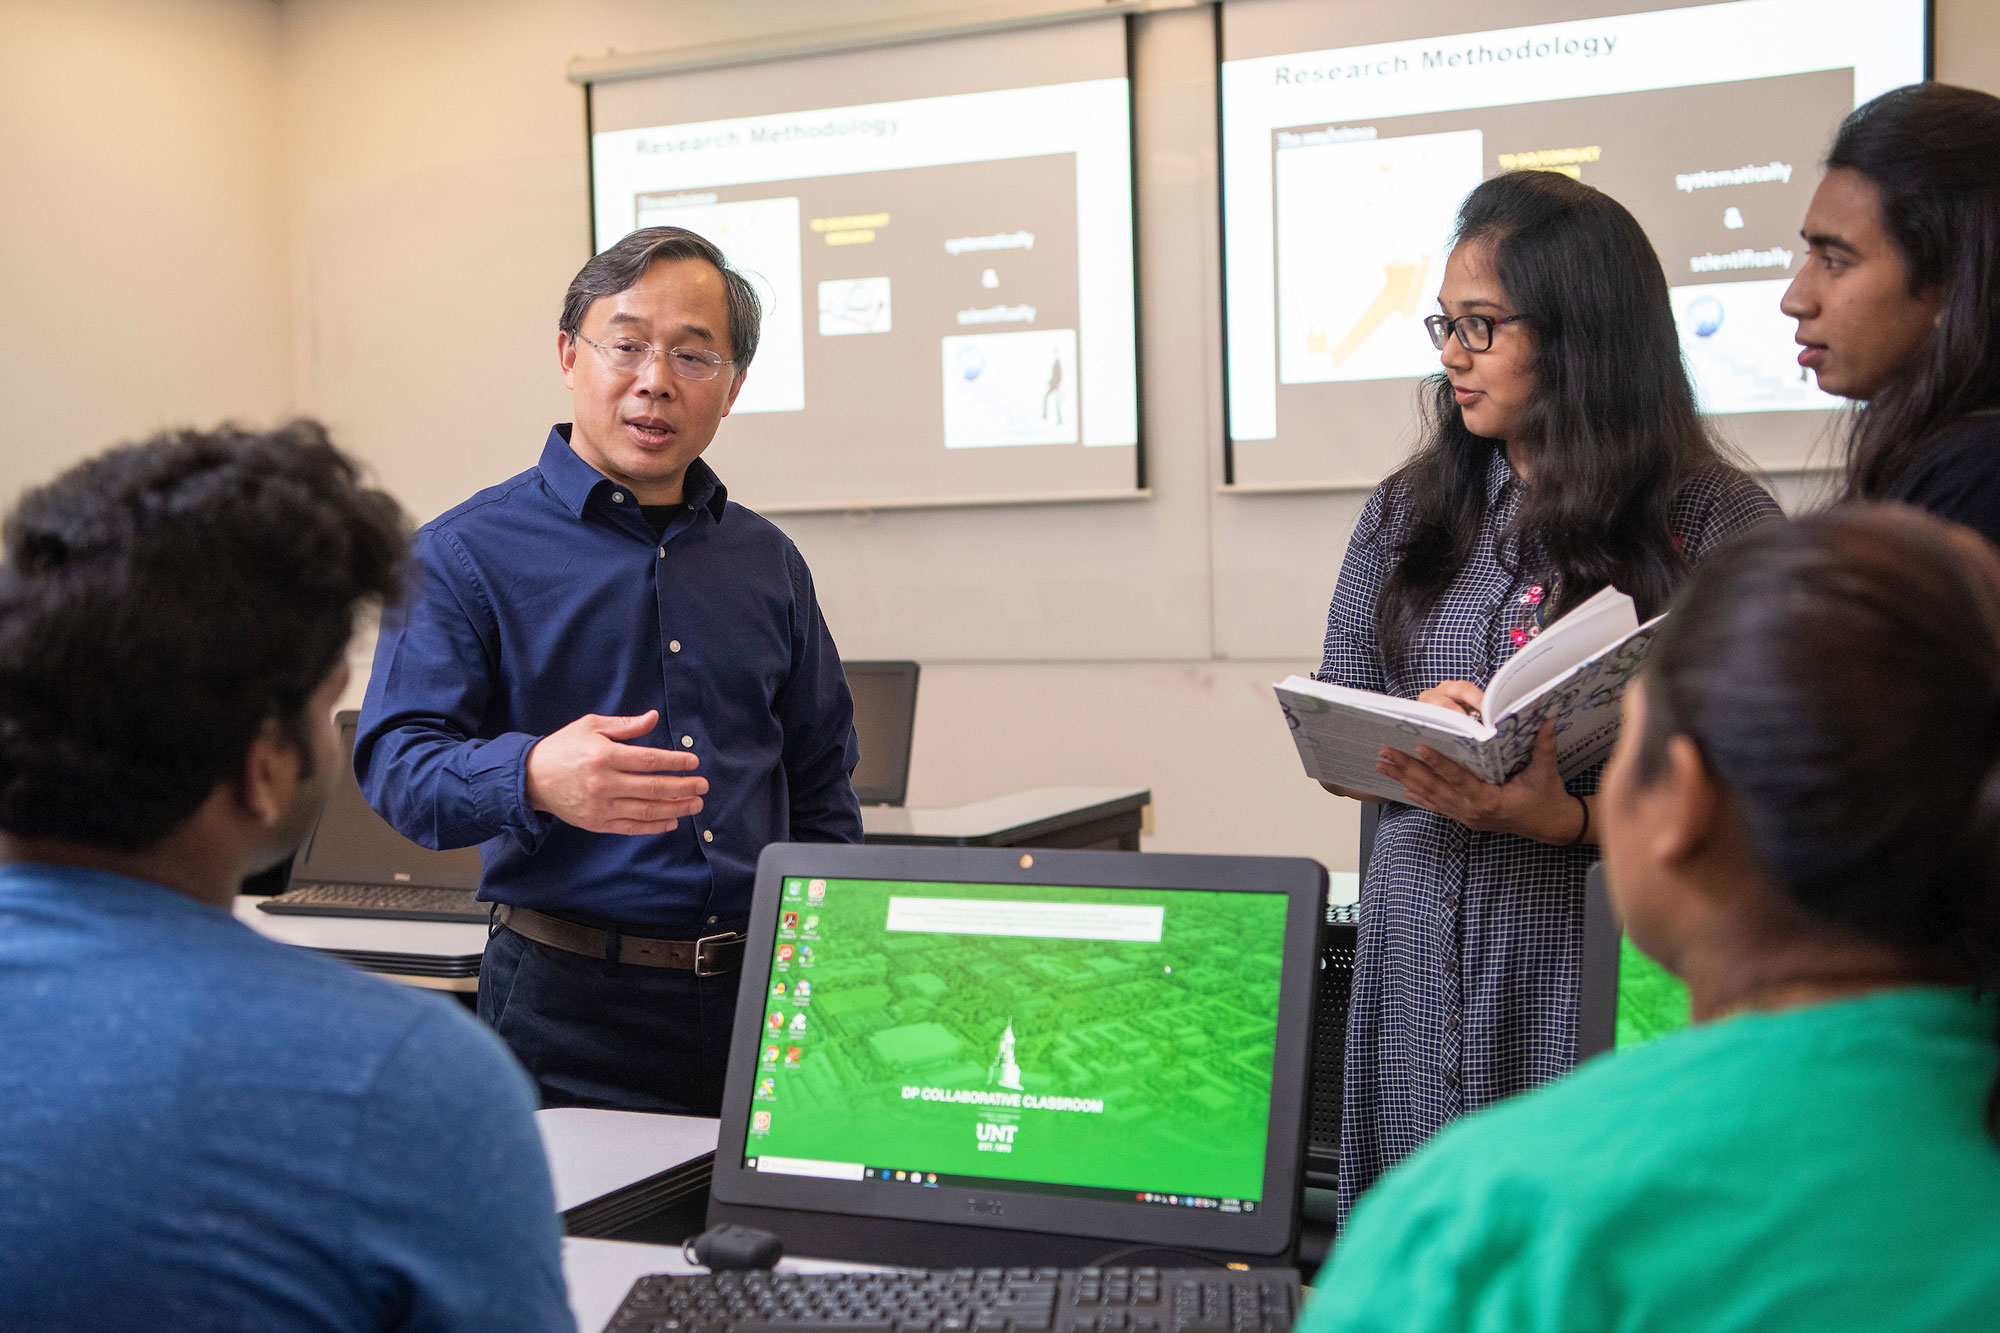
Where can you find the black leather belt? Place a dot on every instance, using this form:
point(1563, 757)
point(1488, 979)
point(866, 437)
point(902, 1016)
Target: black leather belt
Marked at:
point(710, 956)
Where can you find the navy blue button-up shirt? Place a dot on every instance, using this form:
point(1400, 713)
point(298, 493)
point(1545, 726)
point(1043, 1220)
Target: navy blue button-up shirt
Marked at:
point(548, 597)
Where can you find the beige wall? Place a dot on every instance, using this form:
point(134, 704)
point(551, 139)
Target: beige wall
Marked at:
point(142, 247)
point(367, 209)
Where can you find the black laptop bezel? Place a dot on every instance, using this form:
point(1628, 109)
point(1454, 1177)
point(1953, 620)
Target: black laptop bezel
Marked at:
point(855, 1219)
point(346, 723)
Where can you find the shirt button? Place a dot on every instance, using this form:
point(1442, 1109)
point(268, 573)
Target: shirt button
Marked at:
point(663, 553)
point(687, 742)
point(618, 497)
point(708, 835)
point(673, 645)
point(712, 920)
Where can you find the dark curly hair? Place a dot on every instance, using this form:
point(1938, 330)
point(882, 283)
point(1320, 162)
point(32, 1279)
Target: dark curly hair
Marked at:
point(159, 603)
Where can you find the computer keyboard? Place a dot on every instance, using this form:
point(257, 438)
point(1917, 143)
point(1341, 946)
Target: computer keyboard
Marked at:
point(407, 902)
point(966, 1300)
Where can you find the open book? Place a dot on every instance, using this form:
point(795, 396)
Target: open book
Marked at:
point(1574, 672)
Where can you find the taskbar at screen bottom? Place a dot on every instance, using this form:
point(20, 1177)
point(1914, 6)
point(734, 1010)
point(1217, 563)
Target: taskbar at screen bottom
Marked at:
point(906, 1178)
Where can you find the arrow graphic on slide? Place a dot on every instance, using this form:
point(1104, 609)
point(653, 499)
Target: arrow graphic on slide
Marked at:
point(1402, 288)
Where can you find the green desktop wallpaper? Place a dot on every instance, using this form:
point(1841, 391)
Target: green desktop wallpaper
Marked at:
point(1651, 1001)
point(1133, 1066)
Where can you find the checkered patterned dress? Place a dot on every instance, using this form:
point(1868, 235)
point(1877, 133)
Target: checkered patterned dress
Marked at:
point(1466, 975)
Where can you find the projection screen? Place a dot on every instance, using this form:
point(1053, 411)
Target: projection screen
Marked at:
point(942, 237)
point(1352, 131)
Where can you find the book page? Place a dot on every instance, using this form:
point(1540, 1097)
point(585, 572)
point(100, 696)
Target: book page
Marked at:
point(1339, 733)
point(1592, 627)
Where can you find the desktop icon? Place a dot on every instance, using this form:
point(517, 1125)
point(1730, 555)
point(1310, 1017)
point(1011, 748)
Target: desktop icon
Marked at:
point(791, 1055)
point(791, 921)
point(770, 1055)
point(805, 954)
point(816, 891)
point(776, 1020)
point(760, 1122)
point(785, 953)
point(930, 1178)
point(767, 1087)
point(805, 992)
point(899, 1175)
point(812, 923)
point(777, 988)
point(794, 887)
point(798, 1023)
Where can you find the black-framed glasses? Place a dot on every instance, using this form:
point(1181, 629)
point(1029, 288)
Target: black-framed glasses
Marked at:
point(629, 356)
point(1475, 332)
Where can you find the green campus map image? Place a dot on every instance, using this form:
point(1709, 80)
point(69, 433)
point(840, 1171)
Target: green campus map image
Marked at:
point(1116, 1064)
point(1651, 1000)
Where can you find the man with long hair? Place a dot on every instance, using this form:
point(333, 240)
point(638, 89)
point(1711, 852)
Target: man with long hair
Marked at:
point(1898, 303)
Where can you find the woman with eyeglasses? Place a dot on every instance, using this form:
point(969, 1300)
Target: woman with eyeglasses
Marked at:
point(1898, 303)
point(1802, 822)
point(1560, 452)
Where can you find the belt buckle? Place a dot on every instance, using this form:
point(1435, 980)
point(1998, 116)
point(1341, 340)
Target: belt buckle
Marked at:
point(701, 967)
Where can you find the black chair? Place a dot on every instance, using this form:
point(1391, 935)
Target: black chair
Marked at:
point(1336, 980)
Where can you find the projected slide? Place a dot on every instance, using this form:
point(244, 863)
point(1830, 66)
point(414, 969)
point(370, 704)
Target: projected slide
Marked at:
point(1344, 168)
point(1113, 1042)
point(943, 277)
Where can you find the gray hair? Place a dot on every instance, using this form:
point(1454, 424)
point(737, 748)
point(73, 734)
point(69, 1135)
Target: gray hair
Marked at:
point(619, 268)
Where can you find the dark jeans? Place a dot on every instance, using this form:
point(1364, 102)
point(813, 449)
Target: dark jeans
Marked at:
point(611, 1035)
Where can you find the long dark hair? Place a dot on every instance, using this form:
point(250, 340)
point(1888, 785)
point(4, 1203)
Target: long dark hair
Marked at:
point(1840, 675)
point(1933, 151)
point(1614, 428)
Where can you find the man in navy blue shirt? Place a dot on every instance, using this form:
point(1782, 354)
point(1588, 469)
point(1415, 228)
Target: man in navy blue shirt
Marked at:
point(619, 685)
point(201, 1129)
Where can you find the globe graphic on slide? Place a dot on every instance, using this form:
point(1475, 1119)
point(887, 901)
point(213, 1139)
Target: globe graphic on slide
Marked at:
point(1705, 313)
point(970, 362)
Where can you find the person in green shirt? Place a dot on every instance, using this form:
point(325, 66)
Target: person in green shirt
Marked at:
point(1802, 822)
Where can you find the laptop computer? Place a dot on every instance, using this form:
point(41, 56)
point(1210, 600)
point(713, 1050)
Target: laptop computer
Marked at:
point(986, 1056)
point(354, 864)
point(1624, 998)
point(885, 718)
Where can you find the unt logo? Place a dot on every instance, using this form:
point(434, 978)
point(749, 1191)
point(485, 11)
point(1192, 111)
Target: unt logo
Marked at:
point(995, 1138)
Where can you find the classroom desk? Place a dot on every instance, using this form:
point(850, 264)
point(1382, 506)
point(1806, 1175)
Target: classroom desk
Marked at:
point(1092, 818)
point(444, 955)
point(437, 955)
point(616, 1171)
point(600, 1272)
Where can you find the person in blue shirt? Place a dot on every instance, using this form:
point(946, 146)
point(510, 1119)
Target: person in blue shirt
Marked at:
point(619, 685)
point(201, 1129)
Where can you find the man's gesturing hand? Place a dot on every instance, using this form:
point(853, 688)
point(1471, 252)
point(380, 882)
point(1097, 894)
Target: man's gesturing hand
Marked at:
point(584, 776)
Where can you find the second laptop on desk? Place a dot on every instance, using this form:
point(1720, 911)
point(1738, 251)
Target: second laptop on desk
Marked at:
point(355, 864)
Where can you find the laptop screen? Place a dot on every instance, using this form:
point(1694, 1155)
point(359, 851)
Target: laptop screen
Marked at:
point(1624, 998)
point(1115, 1045)
point(1091, 1042)
point(352, 844)
point(885, 712)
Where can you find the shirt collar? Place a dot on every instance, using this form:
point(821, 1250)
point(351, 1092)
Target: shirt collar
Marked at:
point(1498, 473)
point(575, 481)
